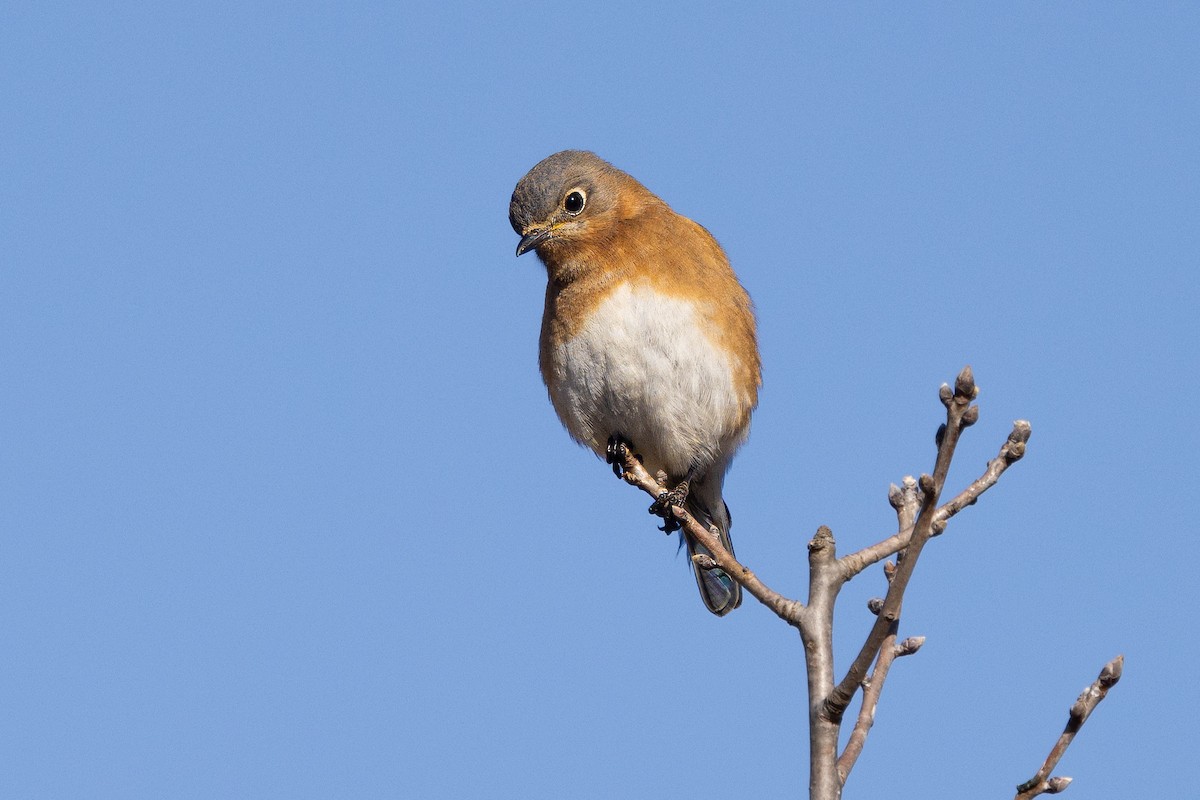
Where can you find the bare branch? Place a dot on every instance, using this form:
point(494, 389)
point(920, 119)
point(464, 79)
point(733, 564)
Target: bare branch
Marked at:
point(906, 501)
point(919, 518)
point(872, 688)
point(1083, 707)
point(824, 580)
point(790, 611)
point(957, 402)
point(1011, 452)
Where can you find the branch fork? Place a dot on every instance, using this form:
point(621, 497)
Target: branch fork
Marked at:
point(919, 518)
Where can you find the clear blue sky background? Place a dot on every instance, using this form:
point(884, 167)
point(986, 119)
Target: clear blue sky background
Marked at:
point(285, 510)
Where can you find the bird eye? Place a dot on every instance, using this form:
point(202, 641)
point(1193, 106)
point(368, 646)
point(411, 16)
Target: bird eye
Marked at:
point(574, 201)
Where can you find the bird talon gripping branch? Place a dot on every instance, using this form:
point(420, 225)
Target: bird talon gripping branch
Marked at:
point(670, 525)
point(647, 332)
point(616, 452)
point(663, 504)
point(665, 500)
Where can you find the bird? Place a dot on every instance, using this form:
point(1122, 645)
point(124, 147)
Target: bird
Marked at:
point(648, 340)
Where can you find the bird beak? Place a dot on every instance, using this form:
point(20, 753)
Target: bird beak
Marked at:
point(532, 238)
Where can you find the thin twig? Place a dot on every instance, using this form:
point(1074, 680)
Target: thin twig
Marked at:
point(919, 518)
point(959, 415)
point(1083, 707)
point(872, 689)
point(907, 502)
point(1010, 452)
point(790, 611)
point(824, 581)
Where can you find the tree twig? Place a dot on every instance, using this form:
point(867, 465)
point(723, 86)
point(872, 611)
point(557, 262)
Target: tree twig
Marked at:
point(872, 689)
point(1083, 707)
point(1010, 452)
point(907, 502)
point(790, 611)
point(919, 519)
point(959, 415)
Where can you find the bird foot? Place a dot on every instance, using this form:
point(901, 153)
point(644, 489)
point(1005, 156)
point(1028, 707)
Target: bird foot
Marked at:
point(617, 451)
point(663, 503)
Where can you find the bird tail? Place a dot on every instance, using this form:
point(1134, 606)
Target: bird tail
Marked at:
point(720, 593)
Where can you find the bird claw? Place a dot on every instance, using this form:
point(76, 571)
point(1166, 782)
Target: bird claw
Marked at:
point(662, 507)
point(617, 451)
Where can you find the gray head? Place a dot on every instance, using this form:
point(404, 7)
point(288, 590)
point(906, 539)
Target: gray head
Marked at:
point(558, 198)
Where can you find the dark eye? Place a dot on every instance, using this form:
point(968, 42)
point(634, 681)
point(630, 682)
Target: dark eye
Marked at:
point(574, 202)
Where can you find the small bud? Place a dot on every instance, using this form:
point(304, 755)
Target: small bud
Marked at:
point(889, 570)
point(1057, 784)
point(1015, 445)
point(875, 605)
point(821, 540)
point(964, 384)
point(909, 646)
point(970, 416)
point(910, 495)
point(945, 394)
point(940, 435)
point(895, 497)
point(1014, 448)
point(926, 483)
point(1112, 672)
point(704, 561)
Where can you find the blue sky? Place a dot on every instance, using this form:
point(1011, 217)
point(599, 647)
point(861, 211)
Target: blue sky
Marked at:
point(285, 511)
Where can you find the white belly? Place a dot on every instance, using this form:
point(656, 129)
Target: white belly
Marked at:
point(643, 367)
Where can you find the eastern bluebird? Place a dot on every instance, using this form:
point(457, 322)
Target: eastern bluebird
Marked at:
point(648, 340)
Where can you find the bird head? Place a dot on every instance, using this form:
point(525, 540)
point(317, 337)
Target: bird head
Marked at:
point(565, 198)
